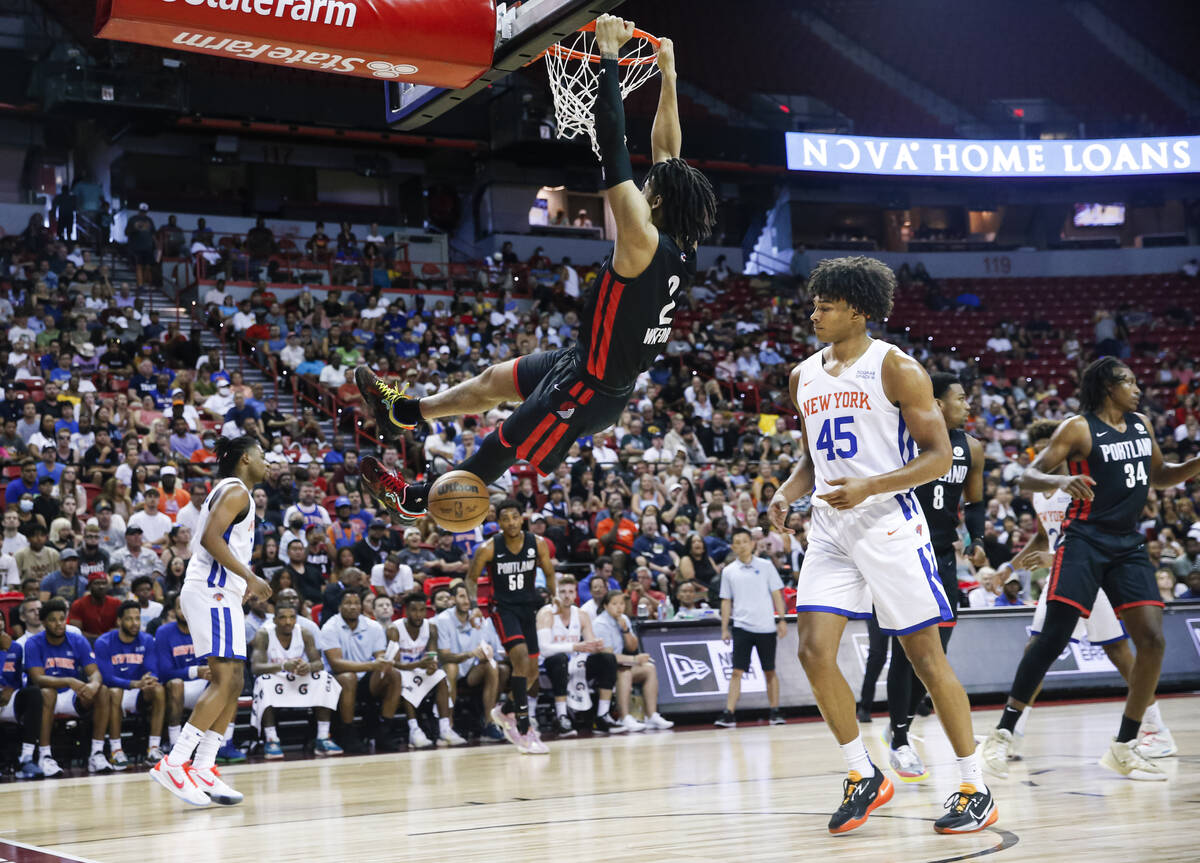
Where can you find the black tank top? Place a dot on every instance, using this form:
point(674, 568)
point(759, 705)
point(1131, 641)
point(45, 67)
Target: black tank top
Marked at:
point(626, 323)
point(939, 498)
point(513, 575)
point(1120, 464)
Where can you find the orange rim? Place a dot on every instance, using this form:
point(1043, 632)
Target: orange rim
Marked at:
point(571, 54)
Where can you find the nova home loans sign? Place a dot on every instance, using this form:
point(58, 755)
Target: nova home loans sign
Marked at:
point(937, 157)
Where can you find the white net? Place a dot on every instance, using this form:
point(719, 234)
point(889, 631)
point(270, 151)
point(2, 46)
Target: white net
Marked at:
point(573, 78)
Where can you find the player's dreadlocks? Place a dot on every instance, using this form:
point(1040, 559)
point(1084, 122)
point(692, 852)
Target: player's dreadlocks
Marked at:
point(866, 284)
point(1097, 380)
point(689, 206)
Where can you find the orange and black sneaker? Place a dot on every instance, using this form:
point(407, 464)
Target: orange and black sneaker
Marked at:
point(860, 797)
point(387, 404)
point(968, 809)
point(392, 491)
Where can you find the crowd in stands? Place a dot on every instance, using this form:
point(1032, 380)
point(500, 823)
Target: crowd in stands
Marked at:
point(110, 418)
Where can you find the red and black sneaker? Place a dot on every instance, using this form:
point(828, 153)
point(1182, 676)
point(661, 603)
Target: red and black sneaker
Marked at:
point(381, 398)
point(392, 491)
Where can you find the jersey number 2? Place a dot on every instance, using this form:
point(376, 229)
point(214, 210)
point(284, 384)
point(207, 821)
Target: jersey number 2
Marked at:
point(664, 319)
point(836, 440)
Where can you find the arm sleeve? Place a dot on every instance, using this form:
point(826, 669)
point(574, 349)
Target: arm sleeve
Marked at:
point(547, 646)
point(610, 126)
point(974, 517)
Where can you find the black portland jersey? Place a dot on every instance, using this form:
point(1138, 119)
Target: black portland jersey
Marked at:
point(1120, 464)
point(627, 322)
point(939, 499)
point(513, 575)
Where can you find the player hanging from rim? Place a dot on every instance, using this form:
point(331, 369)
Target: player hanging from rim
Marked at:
point(214, 587)
point(939, 501)
point(1102, 627)
point(1113, 460)
point(871, 433)
point(583, 388)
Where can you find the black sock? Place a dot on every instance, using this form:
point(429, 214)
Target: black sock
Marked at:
point(1129, 729)
point(407, 411)
point(520, 703)
point(899, 735)
point(1008, 721)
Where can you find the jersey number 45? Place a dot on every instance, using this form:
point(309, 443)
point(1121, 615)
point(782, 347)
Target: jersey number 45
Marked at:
point(836, 438)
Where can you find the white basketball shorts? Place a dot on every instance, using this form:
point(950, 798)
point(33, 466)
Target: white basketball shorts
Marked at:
point(873, 556)
point(1100, 627)
point(215, 619)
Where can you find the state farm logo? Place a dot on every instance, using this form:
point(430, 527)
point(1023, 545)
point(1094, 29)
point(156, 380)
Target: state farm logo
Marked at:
point(384, 69)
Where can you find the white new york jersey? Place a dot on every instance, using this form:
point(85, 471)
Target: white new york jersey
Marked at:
point(1050, 512)
point(240, 536)
point(853, 430)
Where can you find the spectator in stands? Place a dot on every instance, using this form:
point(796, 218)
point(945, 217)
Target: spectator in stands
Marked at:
point(616, 531)
point(420, 560)
point(126, 659)
point(653, 551)
point(353, 646)
point(612, 627)
point(24, 484)
point(189, 515)
point(352, 579)
point(65, 581)
point(63, 662)
point(155, 526)
point(139, 232)
point(582, 219)
point(308, 580)
point(95, 613)
point(286, 664)
point(141, 589)
point(392, 578)
point(984, 596)
point(136, 559)
point(1010, 593)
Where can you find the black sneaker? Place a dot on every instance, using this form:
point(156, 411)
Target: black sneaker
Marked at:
point(925, 706)
point(968, 813)
point(860, 797)
point(352, 742)
point(775, 717)
point(565, 727)
point(726, 720)
point(379, 398)
point(607, 725)
point(863, 713)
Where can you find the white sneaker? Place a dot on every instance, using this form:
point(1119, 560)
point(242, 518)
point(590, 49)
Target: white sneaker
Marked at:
point(656, 722)
point(118, 761)
point(155, 754)
point(418, 740)
point(452, 738)
point(907, 764)
point(1014, 748)
point(1156, 742)
point(97, 763)
point(508, 724)
point(178, 780)
point(534, 744)
point(49, 766)
point(210, 782)
point(1124, 758)
point(632, 724)
point(993, 752)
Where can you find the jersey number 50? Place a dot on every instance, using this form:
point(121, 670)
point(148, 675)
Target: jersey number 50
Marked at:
point(836, 440)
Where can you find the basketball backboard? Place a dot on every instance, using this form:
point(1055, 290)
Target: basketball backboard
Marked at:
point(523, 32)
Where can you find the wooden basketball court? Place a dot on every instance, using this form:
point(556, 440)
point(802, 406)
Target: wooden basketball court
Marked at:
point(756, 793)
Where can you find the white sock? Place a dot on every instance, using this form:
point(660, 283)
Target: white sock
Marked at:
point(1153, 717)
point(322, 730)
point(229, 733)
point(206, 751)
point(43, 752)
point(968, 768)
point(187, 739)
point(114, 746)
point(1021, 720)
point(97, 746)
point(271, 733)
point(155, 741)
point(443, 726)
point(560, 708)
point(26, 752)
point(532, 699)
point(173, 734)
point(857, 759)
point(603, 707)
point(412, 726)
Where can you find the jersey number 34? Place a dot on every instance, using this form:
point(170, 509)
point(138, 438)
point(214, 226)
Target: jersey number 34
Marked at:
point(836, 438)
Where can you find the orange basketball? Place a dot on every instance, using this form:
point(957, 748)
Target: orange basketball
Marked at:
point(458, 501)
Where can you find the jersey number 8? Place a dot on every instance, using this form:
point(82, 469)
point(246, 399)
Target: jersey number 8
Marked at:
point(939, 496)
point(836, 440)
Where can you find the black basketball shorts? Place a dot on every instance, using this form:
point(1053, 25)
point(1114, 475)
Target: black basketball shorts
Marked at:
point(745, 642)
point(947, 564)
point(516, 624)
point(1090, 559)
point(558, 407)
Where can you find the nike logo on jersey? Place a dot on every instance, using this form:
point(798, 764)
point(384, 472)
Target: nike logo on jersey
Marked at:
point(1101, 434)
point(890, 532)
point(806, 383)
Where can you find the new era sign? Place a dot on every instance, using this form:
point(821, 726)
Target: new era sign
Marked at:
point(697, 668)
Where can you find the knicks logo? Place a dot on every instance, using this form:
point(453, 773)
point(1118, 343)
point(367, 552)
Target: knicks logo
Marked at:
point(218, 596)
point(567, 409)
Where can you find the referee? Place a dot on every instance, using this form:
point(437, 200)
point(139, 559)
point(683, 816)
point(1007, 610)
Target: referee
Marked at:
point(752, 594)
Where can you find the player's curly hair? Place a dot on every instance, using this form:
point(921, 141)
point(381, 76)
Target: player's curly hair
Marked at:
point(866, 284)
point(689, 207)
point(1097, 380)
point(230, 451)
point(1042, 430)
point(942, 381)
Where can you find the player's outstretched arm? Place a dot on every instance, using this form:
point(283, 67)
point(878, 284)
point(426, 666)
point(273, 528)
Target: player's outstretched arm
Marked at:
point(637, 238)
point(1071, 440)
point(666, 136)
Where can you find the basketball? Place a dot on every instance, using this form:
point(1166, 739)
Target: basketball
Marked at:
point(458, 501)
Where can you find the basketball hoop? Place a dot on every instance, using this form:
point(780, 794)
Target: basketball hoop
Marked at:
point(573, 65)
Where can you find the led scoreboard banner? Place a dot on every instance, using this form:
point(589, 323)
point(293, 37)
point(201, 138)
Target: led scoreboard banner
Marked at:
point(948, 157)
